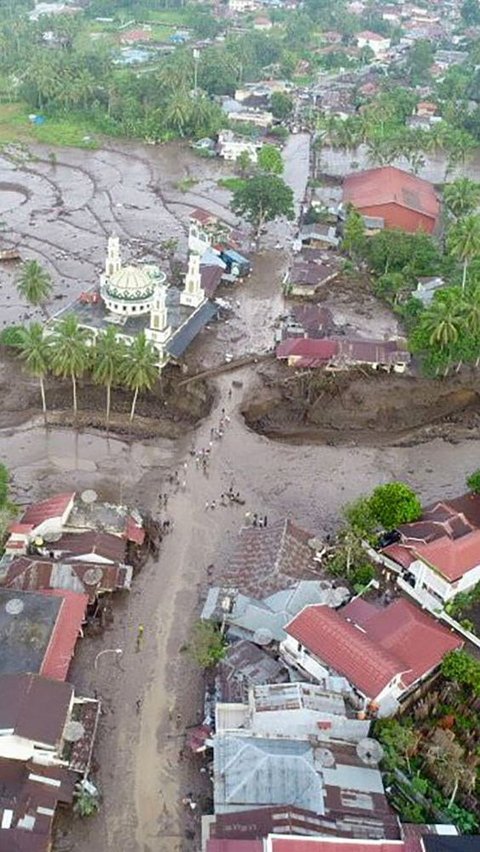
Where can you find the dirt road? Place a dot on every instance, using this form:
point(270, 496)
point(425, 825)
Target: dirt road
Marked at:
point(138, 753)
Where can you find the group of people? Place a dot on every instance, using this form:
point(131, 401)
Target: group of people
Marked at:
point(227, 499)
point(255, 520)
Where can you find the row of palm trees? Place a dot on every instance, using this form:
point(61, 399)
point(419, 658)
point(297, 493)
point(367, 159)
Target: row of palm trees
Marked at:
point(69, 351)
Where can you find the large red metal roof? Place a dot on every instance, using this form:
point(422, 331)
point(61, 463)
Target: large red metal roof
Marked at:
point(387, 185)
point(54, 507)
point(61, 647)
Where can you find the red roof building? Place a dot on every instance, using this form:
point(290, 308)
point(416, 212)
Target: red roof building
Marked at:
point(381, 652)
point(440, 553)
point(66, 631)
point(219, 845)
point(47, 510)
point(401, 199)
point(325, 844)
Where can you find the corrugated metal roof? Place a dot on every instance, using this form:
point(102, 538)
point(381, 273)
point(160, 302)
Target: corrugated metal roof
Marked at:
point(182, 338)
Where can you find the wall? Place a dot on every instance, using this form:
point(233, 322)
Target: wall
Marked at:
point(396, 216)
point(447, 591)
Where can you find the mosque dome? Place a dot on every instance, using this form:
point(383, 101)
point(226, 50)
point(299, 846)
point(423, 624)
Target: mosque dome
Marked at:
point(130, 283)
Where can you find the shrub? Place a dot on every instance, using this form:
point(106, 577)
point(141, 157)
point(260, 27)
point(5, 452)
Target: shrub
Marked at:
point(393, 504)
point(11, 336)
point(208, 645)
point(473, 482)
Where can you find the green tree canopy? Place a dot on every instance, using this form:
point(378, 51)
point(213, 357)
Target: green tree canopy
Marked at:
point(262, 199)
point(140, 368)
point(35, 349)
point(420, 59)
point(270, 160)
point(34, 284)
point(109, 357)
point(462, 196)
point(354, 239)
point(463, 669)
point(393, 504)
point(464, 242)
point(281, 105)
point(70, 352)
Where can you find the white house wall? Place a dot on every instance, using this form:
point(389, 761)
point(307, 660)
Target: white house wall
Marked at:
point(439, 585)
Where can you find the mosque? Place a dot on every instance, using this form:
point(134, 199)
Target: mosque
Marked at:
point(136, 298)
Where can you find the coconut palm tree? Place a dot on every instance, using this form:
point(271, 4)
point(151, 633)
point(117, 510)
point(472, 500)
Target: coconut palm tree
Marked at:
point(70, 352)
point(442, 322)
point(462, 196)
point(464, 242)
point(109, 354)
point(35, 284)
point(140, 368)
point(35, 349)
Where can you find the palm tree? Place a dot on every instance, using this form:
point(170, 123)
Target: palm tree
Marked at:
point(70, 352)
point(108, 358)
point(35, 351)
point(442, 322)
point(140, 368)
point(464, 242)
point(35, 284)
point(462, 196)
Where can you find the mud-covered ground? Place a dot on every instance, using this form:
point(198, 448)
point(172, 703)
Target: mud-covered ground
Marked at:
point(363, 407)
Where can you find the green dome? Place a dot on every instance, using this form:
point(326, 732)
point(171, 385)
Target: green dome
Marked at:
point(131, 283)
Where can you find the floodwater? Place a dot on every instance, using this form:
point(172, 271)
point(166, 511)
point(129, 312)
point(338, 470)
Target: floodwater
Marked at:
point(148, 702)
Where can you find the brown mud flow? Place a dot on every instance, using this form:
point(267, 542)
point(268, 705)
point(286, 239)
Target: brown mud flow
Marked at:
point(363, 407)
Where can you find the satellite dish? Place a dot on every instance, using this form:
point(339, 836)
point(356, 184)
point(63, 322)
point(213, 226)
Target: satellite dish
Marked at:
point(14, 606)
point(52, 536)
point(262, 636)
point(325, 757)
point(74, 731)
point(88, 496)
point(92, 576)
point(370, 751)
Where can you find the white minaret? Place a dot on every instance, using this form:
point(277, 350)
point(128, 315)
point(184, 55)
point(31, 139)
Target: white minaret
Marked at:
point(113, 262)
point(159, 331)
point(193, 295)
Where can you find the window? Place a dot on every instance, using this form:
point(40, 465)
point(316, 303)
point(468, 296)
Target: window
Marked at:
point(134, 308)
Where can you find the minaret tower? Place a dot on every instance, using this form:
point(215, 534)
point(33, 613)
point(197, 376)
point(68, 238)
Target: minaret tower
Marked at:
point(159, 331)
point(193, 295)
point(113, 262)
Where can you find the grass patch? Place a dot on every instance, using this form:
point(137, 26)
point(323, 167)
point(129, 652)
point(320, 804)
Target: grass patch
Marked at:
point(186, 183)
point(64, 132)
point(232, 183)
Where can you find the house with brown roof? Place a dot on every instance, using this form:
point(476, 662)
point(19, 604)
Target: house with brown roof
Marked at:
point(42, 721)
point(29, 795)
point(400, 199)
point(383, 653)
point(341, 354)
point(439, 555)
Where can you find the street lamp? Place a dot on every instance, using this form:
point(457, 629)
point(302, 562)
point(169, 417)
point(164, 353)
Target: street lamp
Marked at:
point(117, 651)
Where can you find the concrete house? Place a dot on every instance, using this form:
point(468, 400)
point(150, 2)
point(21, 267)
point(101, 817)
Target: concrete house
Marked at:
point(383, 653)
point(439, 555)
point(376, 42)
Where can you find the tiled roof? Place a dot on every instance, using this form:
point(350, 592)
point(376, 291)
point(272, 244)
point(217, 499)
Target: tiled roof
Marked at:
point(61, 647)
point(344, 648)
point(399, 639)
point(54, 507)
point(452, 558)
point(202, 216)
point(217, 845)
point(265, 557)
point(388, 184)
